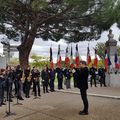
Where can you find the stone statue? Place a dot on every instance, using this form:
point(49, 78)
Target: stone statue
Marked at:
point(110, 35)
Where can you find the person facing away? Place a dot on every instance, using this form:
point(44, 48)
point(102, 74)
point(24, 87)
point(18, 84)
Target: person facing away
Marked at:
point(83, 86)
point(93, 71)
point(101, 73)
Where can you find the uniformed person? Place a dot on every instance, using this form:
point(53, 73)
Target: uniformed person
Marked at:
point(52, 79)
point(9, 82)
point(59, 77)
point(2, 82)
point(67, 74)
point(36, 82)
point(93, 71)
point(27, 82)
point(18, 82)
point(45, 79)
point(101, 73)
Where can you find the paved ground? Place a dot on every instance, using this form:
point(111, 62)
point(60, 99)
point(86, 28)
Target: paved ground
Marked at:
point(107, 92)
point(64, 106)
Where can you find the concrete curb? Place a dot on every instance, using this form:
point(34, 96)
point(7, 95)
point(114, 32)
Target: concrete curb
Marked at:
point(91, 94)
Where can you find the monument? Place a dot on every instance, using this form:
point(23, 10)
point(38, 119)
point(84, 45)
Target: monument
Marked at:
point(112, 77)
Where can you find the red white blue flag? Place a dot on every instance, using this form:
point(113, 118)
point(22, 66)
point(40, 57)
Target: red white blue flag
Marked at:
point(51, 59)
point(71, 58)
point(59, 58)
point(95, 59)
point(106, 59)
point(116, 61)
point(67, 60)
point(77, 60)
point(88, 56)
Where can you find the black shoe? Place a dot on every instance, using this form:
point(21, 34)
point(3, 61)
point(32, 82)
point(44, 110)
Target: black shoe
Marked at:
point(3, 104)
point(83, 113)
point(20, 98)
point(11, 100)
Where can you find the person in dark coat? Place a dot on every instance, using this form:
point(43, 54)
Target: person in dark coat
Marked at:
point(60, 77)
point(2, 82)
point(27, 82)
point(18, 82)
point(83, 86)
point(45, 79)
point(101, 73)
point(36, 82)
point(67, 74)
point(9, 82)
point(52, 79)
point(93, 71)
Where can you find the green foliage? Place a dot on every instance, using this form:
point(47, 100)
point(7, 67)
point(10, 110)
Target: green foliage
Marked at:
point(39, 61)
point(14, 61)
point(100, 47)
point(39, 4)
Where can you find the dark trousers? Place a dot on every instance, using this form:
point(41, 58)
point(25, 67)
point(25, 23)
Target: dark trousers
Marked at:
point(36, 88)
point(45, 87)
point(84, 99)
point(15, 85)
point(75, 82)
point(91, 80)
point(27, 88)
point(18, 84)
point(60, 82)
point(8, 89)
point(68, 83)
point(51, 84)
point(1, 94)
point(102, 81)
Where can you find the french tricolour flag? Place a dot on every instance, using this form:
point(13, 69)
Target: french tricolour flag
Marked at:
point(106, 60)
point(116, 61)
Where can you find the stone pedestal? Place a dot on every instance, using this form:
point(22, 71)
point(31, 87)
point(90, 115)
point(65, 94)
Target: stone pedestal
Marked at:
point(112, 79)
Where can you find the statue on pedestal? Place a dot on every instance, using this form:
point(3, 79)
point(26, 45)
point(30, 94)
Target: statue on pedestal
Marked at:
point(110, 35)
point(111, 41)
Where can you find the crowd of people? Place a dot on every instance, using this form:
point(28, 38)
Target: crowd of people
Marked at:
point(14, 81)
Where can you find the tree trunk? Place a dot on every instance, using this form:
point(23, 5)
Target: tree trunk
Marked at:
point(24, 51)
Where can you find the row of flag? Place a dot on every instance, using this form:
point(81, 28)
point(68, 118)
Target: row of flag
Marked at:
point(68, 61)
point(75, 62)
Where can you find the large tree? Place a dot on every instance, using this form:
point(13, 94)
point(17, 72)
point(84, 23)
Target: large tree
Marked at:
point(73, 20)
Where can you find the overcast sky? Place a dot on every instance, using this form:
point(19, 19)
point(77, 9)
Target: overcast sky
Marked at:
point(41, 47)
